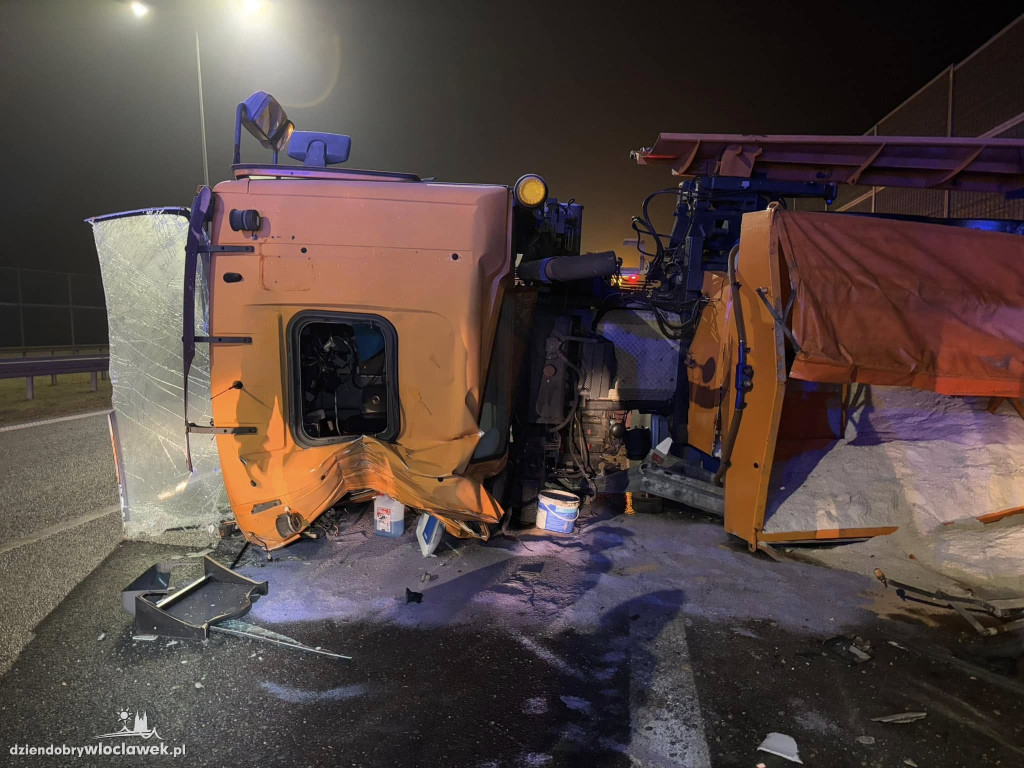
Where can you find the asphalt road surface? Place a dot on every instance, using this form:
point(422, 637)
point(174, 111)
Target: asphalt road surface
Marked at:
point(649, 640)
point(58, 505)
point(54, 472)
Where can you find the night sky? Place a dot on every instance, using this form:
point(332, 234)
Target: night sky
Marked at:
point(101, 108)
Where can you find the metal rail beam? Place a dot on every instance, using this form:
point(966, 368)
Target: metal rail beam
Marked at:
point(30, 367)
point(971, 164)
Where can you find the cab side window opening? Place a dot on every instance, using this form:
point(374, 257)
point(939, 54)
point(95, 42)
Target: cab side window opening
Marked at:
point(345, 379)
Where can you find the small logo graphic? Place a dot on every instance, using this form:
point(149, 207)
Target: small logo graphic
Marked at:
point(140, 727)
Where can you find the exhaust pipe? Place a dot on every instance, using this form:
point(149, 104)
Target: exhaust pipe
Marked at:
point(561, 269)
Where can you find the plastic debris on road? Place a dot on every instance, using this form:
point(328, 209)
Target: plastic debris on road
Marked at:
point(901, 717)
point(782, 745)
point(851, 649)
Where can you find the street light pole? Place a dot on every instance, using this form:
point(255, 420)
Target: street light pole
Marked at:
point(202, 113)
point(251, 7)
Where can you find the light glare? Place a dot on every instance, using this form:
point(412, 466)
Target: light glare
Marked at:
point(139, 10)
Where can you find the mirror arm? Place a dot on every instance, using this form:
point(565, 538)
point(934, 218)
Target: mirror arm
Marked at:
point(286, 127)
point(241, 112)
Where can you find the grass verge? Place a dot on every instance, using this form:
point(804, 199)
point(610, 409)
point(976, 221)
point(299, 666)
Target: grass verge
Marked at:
point(71, 394)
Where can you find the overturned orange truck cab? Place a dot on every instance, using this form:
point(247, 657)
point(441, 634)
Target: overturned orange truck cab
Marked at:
point(371, 302)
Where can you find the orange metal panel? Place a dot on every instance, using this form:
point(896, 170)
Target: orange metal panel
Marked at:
point(746, 482)
point(993, 517)
point(433, 259)
point(708, 365)
point(829, 534)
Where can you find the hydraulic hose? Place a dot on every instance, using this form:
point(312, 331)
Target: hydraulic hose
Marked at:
point(560, 269)
point(743, 371)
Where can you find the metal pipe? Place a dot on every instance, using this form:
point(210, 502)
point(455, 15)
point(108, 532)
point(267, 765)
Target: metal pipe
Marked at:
point(275, 641)
point(237, 157)
point(187, 589)
point(741, 392)
point(202, 114)
point(561, 269)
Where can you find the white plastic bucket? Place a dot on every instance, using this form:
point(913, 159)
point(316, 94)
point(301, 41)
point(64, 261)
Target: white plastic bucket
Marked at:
point(557, 511)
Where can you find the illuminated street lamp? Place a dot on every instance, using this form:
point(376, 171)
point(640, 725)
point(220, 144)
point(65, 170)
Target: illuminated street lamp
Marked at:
point(140, 10)
point(247, 10)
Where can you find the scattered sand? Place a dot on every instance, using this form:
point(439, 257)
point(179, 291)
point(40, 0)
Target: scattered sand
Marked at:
point(927, 463)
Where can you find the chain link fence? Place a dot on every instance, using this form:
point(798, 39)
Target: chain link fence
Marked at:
point(983, 95)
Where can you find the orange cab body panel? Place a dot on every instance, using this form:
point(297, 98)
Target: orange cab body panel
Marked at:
point(433, 261)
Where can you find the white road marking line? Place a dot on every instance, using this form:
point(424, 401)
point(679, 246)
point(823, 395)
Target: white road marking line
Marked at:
point(74, 522)
point(57, 420)
point(663, 697)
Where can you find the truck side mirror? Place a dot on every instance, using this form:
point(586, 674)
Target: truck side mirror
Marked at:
point(264, 118)
point(319, 149)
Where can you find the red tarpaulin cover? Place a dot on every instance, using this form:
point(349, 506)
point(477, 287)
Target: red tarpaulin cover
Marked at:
point(882, 301)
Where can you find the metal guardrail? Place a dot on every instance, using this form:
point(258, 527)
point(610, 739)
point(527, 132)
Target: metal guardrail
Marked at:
point(30, 367)
point(61, 350)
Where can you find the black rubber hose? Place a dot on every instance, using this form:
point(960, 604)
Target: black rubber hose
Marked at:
point(741, 393)
point(560, 269)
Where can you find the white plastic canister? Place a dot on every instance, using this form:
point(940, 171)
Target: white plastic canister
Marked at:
point(388, 516)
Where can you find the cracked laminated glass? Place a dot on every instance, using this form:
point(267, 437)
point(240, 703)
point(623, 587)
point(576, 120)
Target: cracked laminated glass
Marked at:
point(141, 257)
